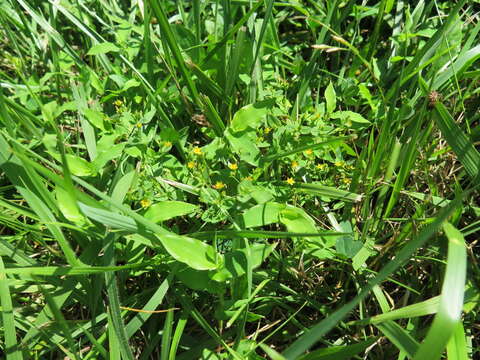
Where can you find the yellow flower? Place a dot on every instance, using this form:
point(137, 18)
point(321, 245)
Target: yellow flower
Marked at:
point(321, 166)
point(346, 181)
point(191, 164)
point(290, 181)
point(249, 178)
point(197, 150)
point(267, 130)
point(294, 164)
point(145, 203)
point(118, 102)
point(167, 144)
point(339, 163)
point(139, 125)
point(308, 152)
point(233, 166)
point(219, 185)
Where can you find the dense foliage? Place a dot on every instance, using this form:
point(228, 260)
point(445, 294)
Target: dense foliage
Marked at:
point(239, 179)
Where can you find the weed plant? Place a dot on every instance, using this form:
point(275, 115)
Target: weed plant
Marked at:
point(239, 179)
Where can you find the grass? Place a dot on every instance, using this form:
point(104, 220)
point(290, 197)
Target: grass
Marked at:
point(239, 179)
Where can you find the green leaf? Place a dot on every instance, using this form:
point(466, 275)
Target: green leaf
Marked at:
point(457, 348)
point(68, 206)
point(243, 144)
point(297, 220)
point(330, 98)
point(192, 252)
point(350, 116)
point(451, 301)
point(346, 244)
point(398, 336)
point(327, 191)
point(165, 210)
point(80, 167)
point(338, 352)
point(250, 116)
point(8, 320)
point(456, 138)
point(95, 117)
point(320, 329)
point(263, 214)
point(103, 48)
point(235, 262)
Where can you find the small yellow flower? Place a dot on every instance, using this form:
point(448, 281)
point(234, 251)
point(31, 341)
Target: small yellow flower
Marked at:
point(118, 102)
point(346, 181)
point(233, 166)
point(267, 130)
point(290, 181)
point(339, 163)
point(139, 125)
point(321, 166)
point(308, 152)
point(191, 164)
point(167, 144)
point(249, 178)
point(219, 185)
point(197, 151)
point(145, 203)
point(294, 164)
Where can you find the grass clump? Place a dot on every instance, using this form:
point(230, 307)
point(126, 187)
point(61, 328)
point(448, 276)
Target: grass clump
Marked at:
point(239, 179)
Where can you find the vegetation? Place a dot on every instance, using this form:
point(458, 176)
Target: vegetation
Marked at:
point(241, 179)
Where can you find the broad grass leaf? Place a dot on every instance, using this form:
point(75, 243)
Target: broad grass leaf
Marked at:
point(235, 262)
point(451, 300)
point(346, 244)
point(95, 118)
point(165, 210)
point(250, 116)
point(263, 214)
point(330, 98)
point(296, 220)
point(350, 116)
point(103, 48)
point(338, 352)
point(80, 167)
point(69, 208)
point(192, 252)
point(328, 191)
point(197, 279)
point(399, 337)
point(462, 146)
point(243, 144)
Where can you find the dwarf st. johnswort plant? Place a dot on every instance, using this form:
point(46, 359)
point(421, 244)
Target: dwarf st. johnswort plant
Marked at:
point(239, 179)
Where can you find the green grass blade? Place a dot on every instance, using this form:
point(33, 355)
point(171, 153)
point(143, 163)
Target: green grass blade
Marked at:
point(177, 335)
point(451, 301)
point(339, 352)
point(166, 336)
point(328, 191)
point(457, 348)
point(12, 350)
point(303, 148)
point(141, 317)
point(399, 337)
point(114, 304)
point(159, 11)
point(460, 143)
point(319, 330)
